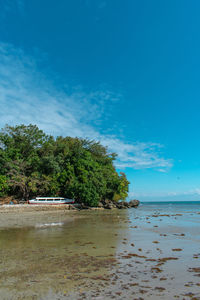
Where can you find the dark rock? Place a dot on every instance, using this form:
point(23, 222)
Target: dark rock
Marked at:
point(114, 204)
point(108, 206)
point(121, 205)
point(77, 205)
point(106, 201)
point(126, 204)
point(134, 203)
point(83, 206)
point(100, 205)
point(72, 207)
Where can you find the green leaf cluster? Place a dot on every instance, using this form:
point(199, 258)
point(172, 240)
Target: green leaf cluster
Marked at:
point(33, 163)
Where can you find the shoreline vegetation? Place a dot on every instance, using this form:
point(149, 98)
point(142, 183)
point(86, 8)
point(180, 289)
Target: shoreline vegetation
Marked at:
point(33, 163)
point(76, 206)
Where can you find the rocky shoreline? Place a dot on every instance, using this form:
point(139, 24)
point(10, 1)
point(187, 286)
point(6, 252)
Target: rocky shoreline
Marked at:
point(107, 204)
point(76, 207)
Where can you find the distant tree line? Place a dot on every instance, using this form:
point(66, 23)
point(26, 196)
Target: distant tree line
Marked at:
point(33, 163)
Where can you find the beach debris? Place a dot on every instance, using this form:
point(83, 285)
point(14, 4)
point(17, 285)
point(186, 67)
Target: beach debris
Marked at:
point(129, 255)
point(177, 249)
point(156, 270)
point(196, 270)
point(196, 255)
point(160, 289)
point(179, 234)
point(164, 259)
point(151, 259)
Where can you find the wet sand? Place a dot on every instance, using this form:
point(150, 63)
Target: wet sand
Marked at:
point(119, 254)
point(23, 217)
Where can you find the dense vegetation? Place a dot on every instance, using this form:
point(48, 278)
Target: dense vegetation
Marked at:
point(34, 163)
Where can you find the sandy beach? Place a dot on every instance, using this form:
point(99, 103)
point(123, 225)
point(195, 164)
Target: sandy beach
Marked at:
point(144, 253)
point(28, 216)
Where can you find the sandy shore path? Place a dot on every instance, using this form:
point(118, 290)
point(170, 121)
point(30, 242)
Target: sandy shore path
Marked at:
point(23, 215)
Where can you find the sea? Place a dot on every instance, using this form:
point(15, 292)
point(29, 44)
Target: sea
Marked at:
point(169, 206)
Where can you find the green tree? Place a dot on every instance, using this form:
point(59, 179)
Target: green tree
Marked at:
point(4, 187)
point(33, 163)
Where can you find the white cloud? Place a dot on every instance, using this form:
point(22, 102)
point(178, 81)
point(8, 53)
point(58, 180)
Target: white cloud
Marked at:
point(195, 191)
point(160, 195)
point(137, 155)
point(27, 97)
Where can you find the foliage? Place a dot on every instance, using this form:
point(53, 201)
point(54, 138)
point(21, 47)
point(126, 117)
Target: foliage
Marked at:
point(3, 185)
point(33, 163)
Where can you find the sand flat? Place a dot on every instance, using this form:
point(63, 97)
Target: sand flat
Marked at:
point(115, 254)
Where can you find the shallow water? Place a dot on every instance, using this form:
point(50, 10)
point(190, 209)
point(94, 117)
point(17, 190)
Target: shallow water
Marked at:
point(144, 253)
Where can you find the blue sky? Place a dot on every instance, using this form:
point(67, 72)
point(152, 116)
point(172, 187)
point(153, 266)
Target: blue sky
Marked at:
point(122, 72)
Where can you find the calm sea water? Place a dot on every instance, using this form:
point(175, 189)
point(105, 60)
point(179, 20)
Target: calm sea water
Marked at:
point(189, 209)
point(175, 204)
point(170, 206)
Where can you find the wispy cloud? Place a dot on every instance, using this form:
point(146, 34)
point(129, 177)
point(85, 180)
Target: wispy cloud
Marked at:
point(26, 96)
point(175, 195)
point(195, 191)
point(138, 155)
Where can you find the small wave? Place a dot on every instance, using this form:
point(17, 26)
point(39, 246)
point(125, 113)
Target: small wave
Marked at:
point(49, 224)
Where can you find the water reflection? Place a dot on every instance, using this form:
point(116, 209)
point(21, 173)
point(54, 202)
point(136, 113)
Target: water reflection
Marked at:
point(35, 260)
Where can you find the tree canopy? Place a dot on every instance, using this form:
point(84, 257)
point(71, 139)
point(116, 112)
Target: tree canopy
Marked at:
point(33, 163)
